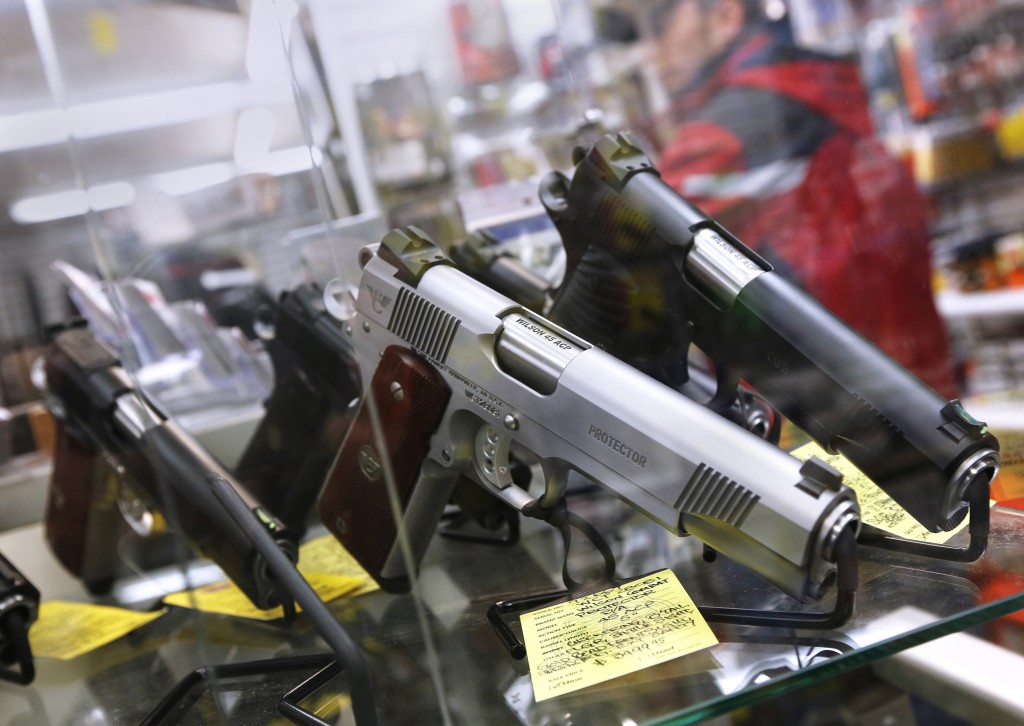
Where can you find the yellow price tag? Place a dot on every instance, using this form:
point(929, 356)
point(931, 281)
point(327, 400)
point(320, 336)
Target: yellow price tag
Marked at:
point(224, 597)
point(325, 555)
point(66, 630)
point(611, 633)
point(876, 507)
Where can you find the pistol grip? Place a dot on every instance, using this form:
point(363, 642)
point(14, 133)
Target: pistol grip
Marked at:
point(82, 521)
point(411, 398)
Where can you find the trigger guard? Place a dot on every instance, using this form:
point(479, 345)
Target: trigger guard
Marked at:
point(491, 457)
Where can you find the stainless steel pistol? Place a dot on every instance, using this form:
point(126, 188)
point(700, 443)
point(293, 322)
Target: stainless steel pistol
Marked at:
point(455, 373)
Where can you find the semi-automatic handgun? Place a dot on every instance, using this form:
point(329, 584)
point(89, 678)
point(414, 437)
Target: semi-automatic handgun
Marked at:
point(456, 374)
point(308, 412)
point(648, 274)
point(103, 417)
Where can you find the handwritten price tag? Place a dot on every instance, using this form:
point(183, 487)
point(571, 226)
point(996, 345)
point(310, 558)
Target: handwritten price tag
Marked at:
point(612, 633)
point(876, 507)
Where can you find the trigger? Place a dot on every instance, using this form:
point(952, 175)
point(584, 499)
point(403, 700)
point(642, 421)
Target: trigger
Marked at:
point(726, 387)
point(491, 457)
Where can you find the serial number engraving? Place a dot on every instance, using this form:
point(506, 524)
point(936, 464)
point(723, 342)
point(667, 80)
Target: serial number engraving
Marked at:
point(488, 406)
point(618, 446)
point(485, 400)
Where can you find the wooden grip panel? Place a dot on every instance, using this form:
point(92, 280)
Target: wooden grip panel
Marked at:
point(82, 523)
point(69, 500)
point(411, 397)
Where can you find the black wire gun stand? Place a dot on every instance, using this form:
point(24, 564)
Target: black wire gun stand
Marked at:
point(346, 654)
point(560, 518)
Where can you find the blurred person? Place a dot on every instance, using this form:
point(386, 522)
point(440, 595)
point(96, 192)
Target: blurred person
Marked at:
point(776, 142)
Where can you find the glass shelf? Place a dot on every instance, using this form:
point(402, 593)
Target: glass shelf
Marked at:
point(902, 601)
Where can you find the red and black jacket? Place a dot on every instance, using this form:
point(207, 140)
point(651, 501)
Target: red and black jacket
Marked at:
point(776, 143)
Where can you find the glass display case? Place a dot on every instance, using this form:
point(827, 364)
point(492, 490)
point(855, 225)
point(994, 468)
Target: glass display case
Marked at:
point(326, 324)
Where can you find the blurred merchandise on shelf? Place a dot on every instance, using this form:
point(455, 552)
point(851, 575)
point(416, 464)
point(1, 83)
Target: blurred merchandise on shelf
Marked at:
point(950, 150)
point(978, 50)
point(946, 84)
point(826, 25)
point(1010, 259)
point(987, 330)
point(979, 284)
point(991, 262)
point(408, 149)
point(970, 215)
point(517, 223)
point(575, 85)
point(954, 54)
point(881, 74)
point(995, 365)
point(483, 41)
point(432, 210)
point(493, 141)
point(326, 250)
point(405, 141)
point(1010, 133)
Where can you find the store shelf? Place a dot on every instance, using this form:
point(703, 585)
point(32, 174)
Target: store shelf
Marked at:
point(482, 684)
point(996, 303)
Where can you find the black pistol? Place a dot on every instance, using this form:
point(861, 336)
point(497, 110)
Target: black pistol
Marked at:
point(103, 415)
point(648, 274)
point(309, 411)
